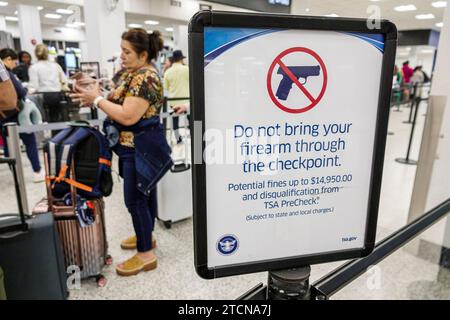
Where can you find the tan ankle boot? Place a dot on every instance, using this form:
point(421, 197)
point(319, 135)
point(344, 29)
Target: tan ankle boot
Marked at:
point(131, 243)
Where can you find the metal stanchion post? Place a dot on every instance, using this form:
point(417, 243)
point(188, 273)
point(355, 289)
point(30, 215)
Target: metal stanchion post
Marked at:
point(292, 284)
point(12, 140)
point(407, 160)
point(413, 103)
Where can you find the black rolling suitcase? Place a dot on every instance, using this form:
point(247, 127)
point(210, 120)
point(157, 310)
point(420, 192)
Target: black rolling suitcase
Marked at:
point(30, 254)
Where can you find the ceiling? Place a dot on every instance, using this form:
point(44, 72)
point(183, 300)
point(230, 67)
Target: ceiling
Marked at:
point(163, 22)
point(343, 8)
point(51, 7)
point(48, 7)
point(358, 9)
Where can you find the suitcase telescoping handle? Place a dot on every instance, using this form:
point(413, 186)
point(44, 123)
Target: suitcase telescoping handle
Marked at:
point(23, 226)
point(180, 166)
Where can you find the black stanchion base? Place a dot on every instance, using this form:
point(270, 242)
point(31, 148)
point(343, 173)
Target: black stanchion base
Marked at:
point(407, 122)
point(391, 133)
point(407, 161)
point(399, 110)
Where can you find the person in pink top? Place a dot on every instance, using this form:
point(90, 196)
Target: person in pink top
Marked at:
point(408, 72)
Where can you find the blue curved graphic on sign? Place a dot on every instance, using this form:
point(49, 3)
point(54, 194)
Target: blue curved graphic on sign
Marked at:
point(377, 40)
point(220, 40)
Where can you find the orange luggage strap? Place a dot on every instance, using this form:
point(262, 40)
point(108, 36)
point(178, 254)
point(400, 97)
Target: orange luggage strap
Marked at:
point(105, 162)
point(78, 185)
point(62, 178)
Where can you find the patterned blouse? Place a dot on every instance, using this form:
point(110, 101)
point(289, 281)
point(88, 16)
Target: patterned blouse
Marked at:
point(144, 83)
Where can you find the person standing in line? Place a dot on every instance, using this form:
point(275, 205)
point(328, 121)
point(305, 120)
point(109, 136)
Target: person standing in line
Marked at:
point(168, 64)
point(176, 85)
point(408, 72)
point(48, 78)
point(22, 69)
point(9, 58)
point(418, 80)
point(138, 138)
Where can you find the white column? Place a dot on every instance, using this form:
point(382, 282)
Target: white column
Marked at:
point(105, 24)
point(441, 83)
point(30, 27)
point(84, 51)
point(180, 37)
point(439, 189)
point(2, 23)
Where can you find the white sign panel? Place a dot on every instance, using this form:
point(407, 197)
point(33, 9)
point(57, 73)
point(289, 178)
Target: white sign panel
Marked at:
point(290, 129)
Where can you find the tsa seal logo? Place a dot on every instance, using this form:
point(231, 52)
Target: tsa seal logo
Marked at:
point(227, 245)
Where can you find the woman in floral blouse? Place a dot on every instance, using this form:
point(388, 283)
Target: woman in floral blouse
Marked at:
point(137, 99)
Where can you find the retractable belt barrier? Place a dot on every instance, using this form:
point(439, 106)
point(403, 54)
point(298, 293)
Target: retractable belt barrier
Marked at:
point(53, 126)
point(65, 125)
point(13, 141)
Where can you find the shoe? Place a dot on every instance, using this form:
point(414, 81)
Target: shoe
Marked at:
point(131, 243)
point(136, 265)
point(39, 177)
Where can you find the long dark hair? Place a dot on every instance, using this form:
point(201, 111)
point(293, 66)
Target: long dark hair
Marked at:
point(142, 42)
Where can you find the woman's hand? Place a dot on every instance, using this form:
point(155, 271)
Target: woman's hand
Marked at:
point(86, 91)
point(181, 109)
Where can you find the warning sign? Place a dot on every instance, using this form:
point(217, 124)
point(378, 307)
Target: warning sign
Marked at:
point(297, 66)
point(290, 119)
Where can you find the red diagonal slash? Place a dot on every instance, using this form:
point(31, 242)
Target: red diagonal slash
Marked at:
point(295, 80)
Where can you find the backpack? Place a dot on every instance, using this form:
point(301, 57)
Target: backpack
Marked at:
point(85, 150)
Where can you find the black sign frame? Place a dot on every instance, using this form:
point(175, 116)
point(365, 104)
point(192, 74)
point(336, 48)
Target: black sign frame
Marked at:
point(197, 26)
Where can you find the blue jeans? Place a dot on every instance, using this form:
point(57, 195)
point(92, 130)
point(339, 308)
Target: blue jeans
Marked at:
point(29, 140)
point(143, 209)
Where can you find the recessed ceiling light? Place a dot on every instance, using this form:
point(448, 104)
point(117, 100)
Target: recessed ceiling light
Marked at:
point(427, 16)
point(75, 25)
point(135, 25)
point(151, 22)
point(439, 24)
point(439, 4)
point(408, 7)
point(40, 8)
point(11, 19)
point(331, 15)
point(64, 11)
point(53, 16)
point(169, 29)
point(3, 3)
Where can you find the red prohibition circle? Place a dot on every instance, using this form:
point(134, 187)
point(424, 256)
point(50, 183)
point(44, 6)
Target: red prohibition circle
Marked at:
point(278, 60)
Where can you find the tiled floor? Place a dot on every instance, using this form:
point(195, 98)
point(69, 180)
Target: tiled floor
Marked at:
point(401, 276)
